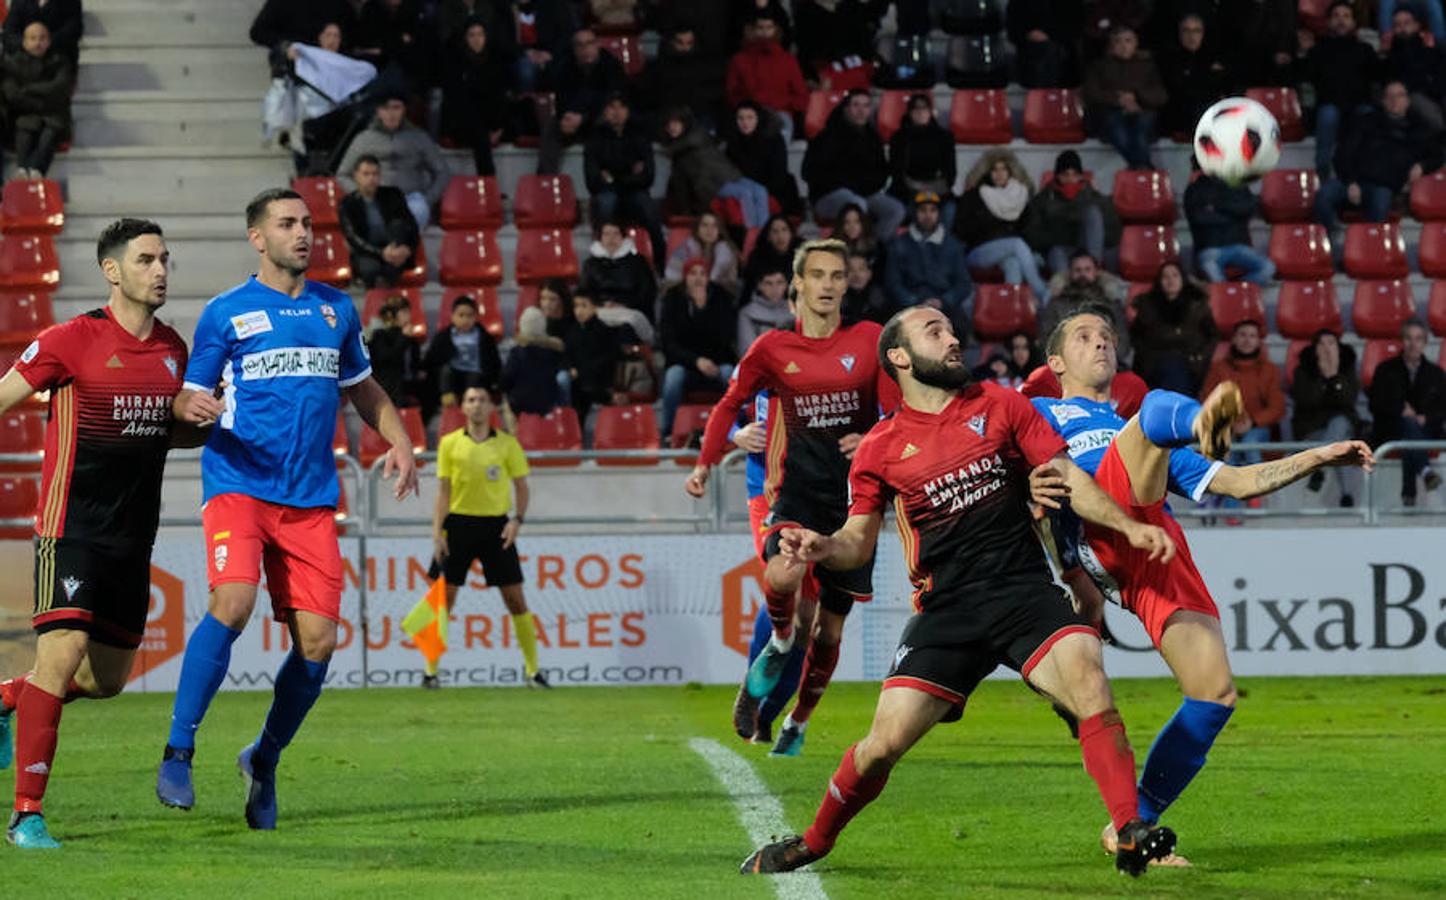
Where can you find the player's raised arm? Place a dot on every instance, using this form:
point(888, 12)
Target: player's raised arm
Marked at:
point(1092, 504)
point(848, 548)
point(1245, 482)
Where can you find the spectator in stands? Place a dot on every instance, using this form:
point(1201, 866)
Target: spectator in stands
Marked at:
point(379, 229)
point(701, 173)
point(554, 300)
point(618, 165)
point(853, 229)
point(1416, 64)
point(684, 75)
point(308, 107)
point(708, 242)
point(584, 81)
point(767, 310)
point(396, 358)
point(921, 156)
point(926, 265)
point(536, 34)
point(1068, 213)
point(1123, 94)
point(755, 146)
point(593, 353)
point(1173, 333)
point(453, 17)
point(475, 94)
point(1381, 154)
point(530, 375)
point(1010, 364)
point(1165, 16)
point(1083, 283)
point(845, 164)
point(36, 84)
point(1324, 394)
point(1248, 365)
point(774, 251)
point(1408, 403)
point(1045, 34)
point(742, 17)
point(460, 356)
point(697, 327)
point(1341, 66)
point(1431, 9)
point(392, 35)
point(1102, 15)
point(278, 23)
point(617, 273)
point(1194, 77)
point(764, 72)
point(864, 299)
point(836, 38)
point(62, 20)
point(1258, 41)
point(993, 216)
point(1219, 217)
point(411, 160)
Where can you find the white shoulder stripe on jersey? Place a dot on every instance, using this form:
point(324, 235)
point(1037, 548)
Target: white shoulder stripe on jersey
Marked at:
point(1204, 485)
point(355, 379)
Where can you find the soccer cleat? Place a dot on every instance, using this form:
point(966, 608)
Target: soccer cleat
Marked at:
point(430, 683)
point(745, 713)
point(1110, 842)
point(1217, 414)
point(1432, 480)
point(538, 682)
point(766, 670)
point(7, 747)
point(260, 791)
point(27, 831)
point(173, 781)
point(790, 741)
point(763, 735)
point(781, 856)
point(1140, 844)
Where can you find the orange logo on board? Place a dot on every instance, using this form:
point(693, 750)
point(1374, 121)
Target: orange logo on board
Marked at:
point(742, 595)
point(165, 636)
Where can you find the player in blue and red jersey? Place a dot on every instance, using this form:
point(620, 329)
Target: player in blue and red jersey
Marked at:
point(280, 349)
point(954, 464)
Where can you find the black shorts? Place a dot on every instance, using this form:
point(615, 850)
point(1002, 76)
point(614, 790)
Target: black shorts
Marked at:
point(91, 587)
point(837, 590)
point(952, 645)
point(479, 538)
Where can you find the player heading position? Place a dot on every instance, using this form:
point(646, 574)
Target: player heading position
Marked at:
point(278, 347)
point(954, 461)
point(826, 389)
point(112, 373)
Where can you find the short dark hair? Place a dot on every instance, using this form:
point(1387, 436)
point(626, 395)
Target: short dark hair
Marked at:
point(1414, 322)
point(1081, 253)
point(1253, 323)
point(257, 209)
point(364, 159)
point(464, 300)
point(118, 234)
point(1055, 343)
point(892, 336)
point(486, 388)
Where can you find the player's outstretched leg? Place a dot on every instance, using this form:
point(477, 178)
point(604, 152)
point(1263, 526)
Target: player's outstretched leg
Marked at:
point(208, 656)
point(298, 684)
point(780, 589)
point(818, 666)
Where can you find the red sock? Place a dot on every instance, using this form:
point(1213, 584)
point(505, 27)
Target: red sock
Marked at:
point(10, 691)
point(38, 720)
point(818, 668)
point(780, 611)
point(1111, 763)
point(848, 793)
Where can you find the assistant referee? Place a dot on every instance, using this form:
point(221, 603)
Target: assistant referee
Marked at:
point(477, 471)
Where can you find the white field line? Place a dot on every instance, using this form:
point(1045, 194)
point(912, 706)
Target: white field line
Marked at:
point(760, 812)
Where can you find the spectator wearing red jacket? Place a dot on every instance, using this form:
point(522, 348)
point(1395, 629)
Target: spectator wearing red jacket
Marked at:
point(764, 72)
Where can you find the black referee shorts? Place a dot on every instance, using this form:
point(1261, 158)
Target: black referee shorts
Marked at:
point(479, 538)
point(85, 586)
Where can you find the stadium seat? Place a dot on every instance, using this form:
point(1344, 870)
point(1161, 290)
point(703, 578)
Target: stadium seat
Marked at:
point(1312, 14)
point(1144, 196)
point(820, 106)
point(1292, 358)
point(472, 201)
point(1304, 307)
point(1436, 308)
point(32, 207)
point(641, 240)
point(372, 308)
point(558, 430)
point(1380, 307)
point(452, 419)
point(489, 308)
point(980, 117)
point(548, 253)
point(628, 49)
point(322, 193)
point(689, 419)
point(18, 499)
point(330, 259)
point(1002, 309)
point(1235, 301)
point(1375, 353)
point(1145, 248)
point(1288, 195)
point(22, 430)
point(23, 314)
point(527, 295)
point(544, 200)
point(1053, 116)
point(470, 257)
point(1432, 249)
point(374, 446)
point(677, 234)
point(1301, 250)
point(1428, 197)
point(1375, 250)
point(1136, 289)
point(972, 17)
point(416, 276)
point(893, 106)
point(28, 262)
point(632, 427)
point(1285, 106)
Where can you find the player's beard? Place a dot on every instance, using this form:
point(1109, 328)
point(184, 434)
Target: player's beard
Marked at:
point(284, 258)
point(939, 373)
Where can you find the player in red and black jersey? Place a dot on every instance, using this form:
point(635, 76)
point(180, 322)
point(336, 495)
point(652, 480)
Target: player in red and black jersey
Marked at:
point(826, 391)
point(955, 461)
point(112, 374)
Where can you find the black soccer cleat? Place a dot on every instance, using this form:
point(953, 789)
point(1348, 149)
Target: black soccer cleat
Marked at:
point(745, 713)
point(781, 856)
point(431, 683)
point(538, 682)
point(1140, 843)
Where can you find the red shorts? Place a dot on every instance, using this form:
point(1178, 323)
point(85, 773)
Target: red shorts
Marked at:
point(297, 546)
point(758, 527)
point(1150, 589)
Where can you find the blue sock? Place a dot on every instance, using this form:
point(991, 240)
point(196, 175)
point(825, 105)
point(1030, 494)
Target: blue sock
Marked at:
point(1178, 753)
point(298, 684)
point(208, 656)
point(1167, 417)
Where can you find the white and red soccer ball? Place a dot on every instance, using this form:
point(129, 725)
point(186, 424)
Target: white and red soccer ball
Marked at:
point(1237, 140)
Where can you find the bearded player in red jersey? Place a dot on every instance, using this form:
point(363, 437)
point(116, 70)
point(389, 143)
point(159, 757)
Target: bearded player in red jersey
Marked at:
point(954, 462)
point(826, 390)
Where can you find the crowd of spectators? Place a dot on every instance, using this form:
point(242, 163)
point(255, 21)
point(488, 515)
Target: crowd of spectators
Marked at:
point(38, 62)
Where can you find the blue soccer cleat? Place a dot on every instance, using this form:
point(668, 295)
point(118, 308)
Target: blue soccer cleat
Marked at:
point(173, 781)
point(260, 791)
point(767, 669)
point(7, 748)
point(790, 741)
point(28, 832)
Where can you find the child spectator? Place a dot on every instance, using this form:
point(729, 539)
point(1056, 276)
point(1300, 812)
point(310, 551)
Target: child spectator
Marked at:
point(530, 376)
point(461, 356)
point(865, 298)
point(593, 353)
point(767, 310)
point(396, 358)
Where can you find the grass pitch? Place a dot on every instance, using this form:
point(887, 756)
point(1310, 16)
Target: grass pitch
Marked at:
point(1318, 787)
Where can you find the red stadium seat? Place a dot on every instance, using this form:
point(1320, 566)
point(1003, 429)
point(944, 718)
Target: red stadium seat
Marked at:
point(547, 253)
point(527, 295)
point(642, 241)
point(893, 106)
point(677, 234)
point(24, 314)
point(1136, 289)
point(1053, 116)
point(1002, 309)
point(545, 200)
point(416, 276)
point(1235, 301)
point(1436, 308)
point(689, 419)
point(489, 309)
point(1432, 249)
point(1285, 106)
point(1375, 250)
point(632, 427)
point(1380, 307)
point(1375, 353)
point(470, 257)
point(322, 194)
point(628, 48)
point(32, 207)
point(18, 499)
point(1144, 196)
point(1428, 197)
point(1301, 251)
point(330, 259)
point(750, 240)
point(452, 419)
point(22, 430)
point(1145, 248)
point(372, 308)
point(1312, 14)
point(1304, 307)
point(29, 262)
point(472, 201)
point(980, 117)
point(1288, 195)
point(820, 106)
point(558, 430)
point(374, 446)
point(1292, 358)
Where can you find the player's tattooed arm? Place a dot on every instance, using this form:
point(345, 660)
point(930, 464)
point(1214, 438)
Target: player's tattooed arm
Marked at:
point(1246, 482)
point(848, 548)
point(1091, 503)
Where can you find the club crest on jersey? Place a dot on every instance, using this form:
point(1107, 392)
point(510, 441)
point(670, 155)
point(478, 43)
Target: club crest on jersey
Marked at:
point(328, 314)
point(977, 423)
point(170, 362)
point(220, 554)
point(848, 361)
point(71, 585)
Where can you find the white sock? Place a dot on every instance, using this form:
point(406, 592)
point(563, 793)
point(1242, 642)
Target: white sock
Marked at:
point(782, 645)
point(789, 723)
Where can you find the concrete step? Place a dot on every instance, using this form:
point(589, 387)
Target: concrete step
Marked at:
point(166, 132)
point(122, 106)
point(153, 181)
point(167, 69)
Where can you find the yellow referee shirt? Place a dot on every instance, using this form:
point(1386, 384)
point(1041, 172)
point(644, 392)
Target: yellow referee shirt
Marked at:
point(481, 472)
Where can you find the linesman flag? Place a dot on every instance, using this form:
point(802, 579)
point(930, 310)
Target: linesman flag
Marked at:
point(426, 624)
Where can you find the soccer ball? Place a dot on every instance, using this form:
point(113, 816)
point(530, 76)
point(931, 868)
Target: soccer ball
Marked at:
point(1237, 140)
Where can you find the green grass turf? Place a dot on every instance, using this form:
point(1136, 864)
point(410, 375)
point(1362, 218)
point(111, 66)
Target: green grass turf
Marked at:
point(1325, 787)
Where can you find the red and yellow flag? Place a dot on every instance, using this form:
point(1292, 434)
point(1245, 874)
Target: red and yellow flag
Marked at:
point(426, 624)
